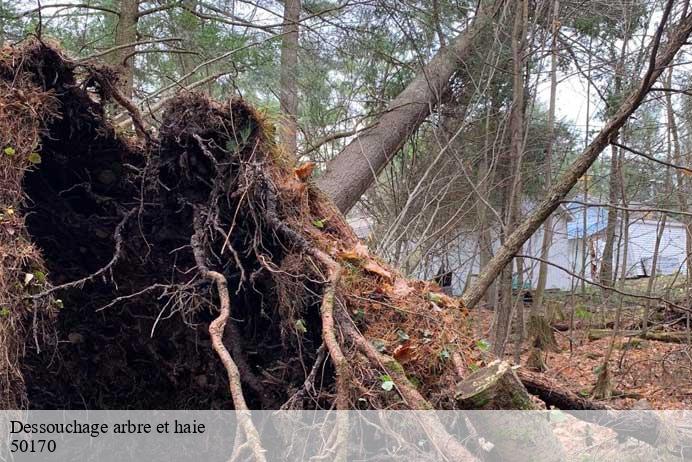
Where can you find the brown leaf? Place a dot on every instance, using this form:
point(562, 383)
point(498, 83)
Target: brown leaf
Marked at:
point(373, 267)
point(304, 171)
point(401, 288)
point(404, 352)
point(358, 252)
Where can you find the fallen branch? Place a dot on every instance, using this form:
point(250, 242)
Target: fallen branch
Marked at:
point(670, 337)
point(553, 394)
point(645, 426)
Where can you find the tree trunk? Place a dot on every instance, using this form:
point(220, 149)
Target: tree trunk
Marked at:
point(486, 176)
point(554, 394)
point(539, 327)
point(350, 173)
point(581, 164)
point(606, 271)
point(682, 193)
point(502, 320)
point(126, 33)
point(288, 96)
point(652, 277)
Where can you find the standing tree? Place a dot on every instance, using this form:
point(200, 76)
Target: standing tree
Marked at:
point(288, 91)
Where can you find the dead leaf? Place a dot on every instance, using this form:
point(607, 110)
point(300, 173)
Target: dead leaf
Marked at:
point(404, 352)
point(375, 268)
point(358, 252)
point(401, 288)
point(442, 299)
point(304, 171)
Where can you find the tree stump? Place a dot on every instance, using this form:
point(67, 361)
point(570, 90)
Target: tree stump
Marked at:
point(514, 435)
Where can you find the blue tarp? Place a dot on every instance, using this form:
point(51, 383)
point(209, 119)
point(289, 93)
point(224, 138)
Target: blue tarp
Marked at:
point(596, 220)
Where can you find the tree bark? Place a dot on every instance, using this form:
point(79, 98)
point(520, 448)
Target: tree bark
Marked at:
point(606, 275)
point(351, 172)
point(581, 164)
point(125, 33)
point(554, 394)
point(288, 96)
point(547, 225)
point(502, 319)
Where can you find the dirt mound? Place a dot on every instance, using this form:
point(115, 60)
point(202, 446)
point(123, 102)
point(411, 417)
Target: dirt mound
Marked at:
point(122, 256)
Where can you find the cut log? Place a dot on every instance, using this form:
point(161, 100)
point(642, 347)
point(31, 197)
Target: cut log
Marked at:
point(671, 337)
point(514, 435)
point(493, 387)
point(563, 326)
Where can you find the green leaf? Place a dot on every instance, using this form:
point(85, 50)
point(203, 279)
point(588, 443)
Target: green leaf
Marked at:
point(403, 336)
point(40, 276)
point(9, 151)
point(435, 298)
point(582, 313)
point(245, 133)
point(4, 312)
point(359, 314)
point(34, 158)
point(483, 345)
point(473, 367)
point(319, 223)
point(387, 383)
point(231, 146)
point(300, 327)
point(58, 303)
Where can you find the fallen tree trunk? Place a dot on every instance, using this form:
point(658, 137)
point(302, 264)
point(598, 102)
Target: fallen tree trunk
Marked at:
point(355, 168)
point(646, 426)
point(554, 394)
point(671, 337)
point(658, 63)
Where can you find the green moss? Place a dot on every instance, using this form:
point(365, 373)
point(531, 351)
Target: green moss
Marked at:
point(395, 366)
point(520, 401)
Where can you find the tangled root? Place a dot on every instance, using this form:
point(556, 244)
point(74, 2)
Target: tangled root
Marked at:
point(202, 242)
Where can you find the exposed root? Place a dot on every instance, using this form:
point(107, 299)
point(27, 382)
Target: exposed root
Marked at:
point(309, 384)
point(103, 270)
point(216, 330)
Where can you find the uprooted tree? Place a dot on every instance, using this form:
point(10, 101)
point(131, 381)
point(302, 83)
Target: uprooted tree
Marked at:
point(165, 270)
point(127, 251)
point(130, 266)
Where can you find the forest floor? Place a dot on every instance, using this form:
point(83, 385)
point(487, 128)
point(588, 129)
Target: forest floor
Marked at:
point(646, 373)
